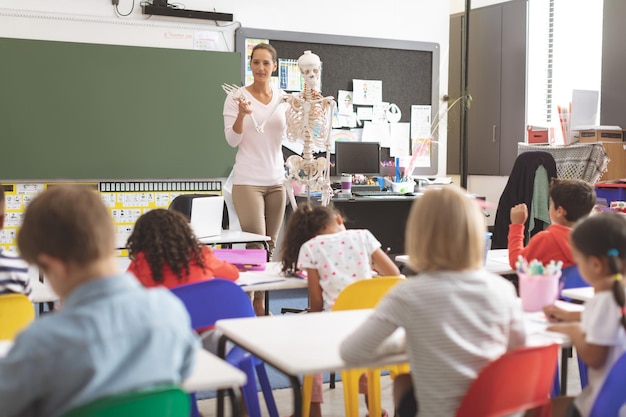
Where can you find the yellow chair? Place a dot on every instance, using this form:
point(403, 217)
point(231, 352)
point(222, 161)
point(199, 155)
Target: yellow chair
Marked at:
point(16, 311)
point(362, 294)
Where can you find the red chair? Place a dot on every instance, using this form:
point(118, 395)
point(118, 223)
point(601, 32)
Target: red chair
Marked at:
point(519, 380)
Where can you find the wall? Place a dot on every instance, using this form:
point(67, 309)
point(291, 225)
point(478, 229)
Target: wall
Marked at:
point(96, 21)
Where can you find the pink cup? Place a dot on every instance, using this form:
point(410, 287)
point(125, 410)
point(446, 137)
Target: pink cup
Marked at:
point(537, 291)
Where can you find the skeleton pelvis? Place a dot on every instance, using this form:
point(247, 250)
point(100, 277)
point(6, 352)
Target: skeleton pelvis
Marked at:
point(300, 168)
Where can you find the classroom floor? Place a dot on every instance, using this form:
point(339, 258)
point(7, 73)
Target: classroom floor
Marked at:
point(333, 398)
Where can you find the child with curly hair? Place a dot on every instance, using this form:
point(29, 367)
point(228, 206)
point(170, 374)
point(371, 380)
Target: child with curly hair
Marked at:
point(165, 252)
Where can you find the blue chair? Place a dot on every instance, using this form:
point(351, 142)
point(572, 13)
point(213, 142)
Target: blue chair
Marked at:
point(216, 299)
point(611, 397)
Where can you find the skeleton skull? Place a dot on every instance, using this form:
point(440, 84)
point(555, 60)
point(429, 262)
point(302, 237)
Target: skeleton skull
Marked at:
point(310, 68)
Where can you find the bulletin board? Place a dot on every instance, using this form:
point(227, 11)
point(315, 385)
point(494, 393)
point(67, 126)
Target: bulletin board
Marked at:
point(409, 70)
point(90, 111)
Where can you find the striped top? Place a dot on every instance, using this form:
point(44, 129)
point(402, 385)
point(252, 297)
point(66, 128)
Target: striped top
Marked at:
point(455, 322)
point(13, 274)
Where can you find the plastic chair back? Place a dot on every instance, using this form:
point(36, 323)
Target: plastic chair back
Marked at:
point(216, 299)
point(165, 401)
point(571, 278)
point(611, 397)
point(16, 311)
point(212, 300)
point(365, 293)
point(519, 380)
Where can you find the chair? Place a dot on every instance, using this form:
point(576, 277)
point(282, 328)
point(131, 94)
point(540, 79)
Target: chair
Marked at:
point(518, 380)
point(216, 299)
point(164, 401)
point(521, 188)
point(361, 294)
point(611, 399)
point(16, 311)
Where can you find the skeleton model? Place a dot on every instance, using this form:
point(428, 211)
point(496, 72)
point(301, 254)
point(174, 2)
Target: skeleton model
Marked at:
point(309, 119)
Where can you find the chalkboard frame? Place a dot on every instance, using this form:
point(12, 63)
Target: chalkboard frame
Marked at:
point(427, 80)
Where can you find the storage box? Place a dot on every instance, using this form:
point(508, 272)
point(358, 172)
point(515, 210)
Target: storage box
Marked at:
point(400, 187)
point(598, 135)
point(537, 134)
point(244, 259)
point(611, 191)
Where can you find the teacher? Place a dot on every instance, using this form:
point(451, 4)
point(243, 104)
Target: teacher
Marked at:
point(258, 174)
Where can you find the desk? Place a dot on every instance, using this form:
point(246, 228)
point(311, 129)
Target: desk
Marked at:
point(230, 237)
point(209, 372)
point(497, 261)
point(384, 216)
point(302, 344)
point(227, 237)
point(268, 280)
point(583, 294)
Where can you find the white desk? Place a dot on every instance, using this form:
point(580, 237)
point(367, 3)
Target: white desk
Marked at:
point(497, 261)
point(227, 237)
point(209, 371)
point(230, 237)
point(581, 294)
point(42, 293)
point(302, 344)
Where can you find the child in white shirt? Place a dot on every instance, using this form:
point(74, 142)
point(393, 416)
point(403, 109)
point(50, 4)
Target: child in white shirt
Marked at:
point(316, 241)
point(598, 333)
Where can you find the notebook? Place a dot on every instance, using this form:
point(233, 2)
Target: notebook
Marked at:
point(206, 216)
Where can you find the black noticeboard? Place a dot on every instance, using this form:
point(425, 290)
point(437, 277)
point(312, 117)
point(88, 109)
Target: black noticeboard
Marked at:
point(409, 70)
point(91, 111)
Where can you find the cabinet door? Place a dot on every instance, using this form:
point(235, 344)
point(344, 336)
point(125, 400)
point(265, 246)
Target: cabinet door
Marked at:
point(513, 83)
point(455, 76)
point(483, 123)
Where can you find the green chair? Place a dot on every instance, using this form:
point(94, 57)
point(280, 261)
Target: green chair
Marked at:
point(162, 401)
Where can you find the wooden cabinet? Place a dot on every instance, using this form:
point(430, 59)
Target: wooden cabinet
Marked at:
point(497, 84)
point(617, 161)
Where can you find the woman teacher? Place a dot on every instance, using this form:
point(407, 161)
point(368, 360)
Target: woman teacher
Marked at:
point(258, 174)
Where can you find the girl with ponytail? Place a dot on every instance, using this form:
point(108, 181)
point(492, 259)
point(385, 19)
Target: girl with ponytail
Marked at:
point(599, 248)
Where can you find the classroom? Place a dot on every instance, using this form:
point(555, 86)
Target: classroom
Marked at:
point(127, 98)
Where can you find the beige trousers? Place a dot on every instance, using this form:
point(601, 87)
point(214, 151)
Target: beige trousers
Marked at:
point(260, 210)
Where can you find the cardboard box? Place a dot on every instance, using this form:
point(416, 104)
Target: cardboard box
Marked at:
point(598, 135)
point(537, 134)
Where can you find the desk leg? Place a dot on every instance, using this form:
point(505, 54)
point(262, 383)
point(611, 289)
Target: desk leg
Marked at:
point(221, 352)
point(267, 303)
point(234, 403)
point(297, 395)
point(565, 355)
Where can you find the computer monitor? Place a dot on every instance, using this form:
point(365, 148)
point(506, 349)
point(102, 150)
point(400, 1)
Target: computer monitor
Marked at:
point(357, 158)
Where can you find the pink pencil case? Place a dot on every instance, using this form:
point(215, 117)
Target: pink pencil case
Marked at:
point(244, 259)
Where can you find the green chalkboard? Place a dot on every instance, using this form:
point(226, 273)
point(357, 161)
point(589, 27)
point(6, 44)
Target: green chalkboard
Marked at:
point(86, 111)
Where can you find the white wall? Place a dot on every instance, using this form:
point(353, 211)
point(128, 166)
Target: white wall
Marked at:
point(95, 21)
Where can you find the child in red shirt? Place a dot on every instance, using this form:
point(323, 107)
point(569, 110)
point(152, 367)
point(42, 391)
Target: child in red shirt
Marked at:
point(165, 252)
point(570, 200)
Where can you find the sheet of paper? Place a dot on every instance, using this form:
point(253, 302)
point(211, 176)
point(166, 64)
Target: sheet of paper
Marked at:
point(364, 113)
point(344, 102)
point(338, 135)
point(205, 40)
point(375, 132)
point(379, 112)
point(420, 122)
point(398, 139)
point(367, 91)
